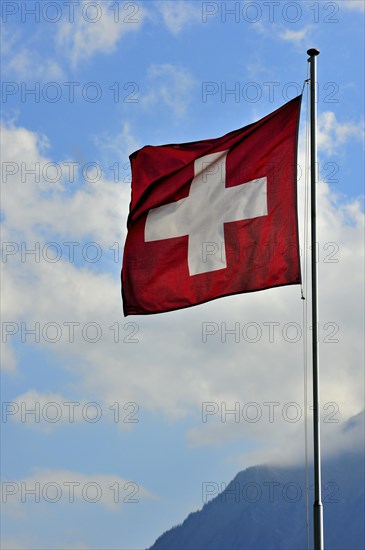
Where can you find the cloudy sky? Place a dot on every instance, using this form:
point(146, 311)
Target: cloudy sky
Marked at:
point(112, 427)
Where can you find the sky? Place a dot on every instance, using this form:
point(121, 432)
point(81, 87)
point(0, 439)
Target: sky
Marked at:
point(112, 427)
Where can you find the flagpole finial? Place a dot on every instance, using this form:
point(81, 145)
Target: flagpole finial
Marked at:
point(313, 51)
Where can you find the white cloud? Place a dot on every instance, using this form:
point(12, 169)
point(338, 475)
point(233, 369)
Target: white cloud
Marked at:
point(23, 62)
point(336, 437)
point(8, 357)
point(28, 64)
point(332, 134)
point(259, 27)
point(297, 37)
point(119, 146)
point(170, 86)
point(82, 38)
point(178, 14)
point(35, 213)
point(45, 198)
point(95, 27)
point(356, 5)
point(278, 31)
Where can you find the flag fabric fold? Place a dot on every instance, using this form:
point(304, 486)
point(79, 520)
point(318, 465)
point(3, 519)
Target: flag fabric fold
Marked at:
point(213, 218)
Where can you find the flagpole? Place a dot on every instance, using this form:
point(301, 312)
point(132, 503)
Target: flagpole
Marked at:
point(317, 506)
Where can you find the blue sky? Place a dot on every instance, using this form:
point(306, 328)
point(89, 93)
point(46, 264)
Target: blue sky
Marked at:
point(118, 402)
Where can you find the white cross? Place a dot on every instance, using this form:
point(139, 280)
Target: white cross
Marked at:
point(204, 212)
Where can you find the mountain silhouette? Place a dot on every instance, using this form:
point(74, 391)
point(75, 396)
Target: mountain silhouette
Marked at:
point(263, 507)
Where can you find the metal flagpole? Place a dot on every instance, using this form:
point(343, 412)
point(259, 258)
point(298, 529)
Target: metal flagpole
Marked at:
point(317, 506)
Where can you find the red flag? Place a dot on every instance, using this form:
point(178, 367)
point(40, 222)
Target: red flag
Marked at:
point(213, 218)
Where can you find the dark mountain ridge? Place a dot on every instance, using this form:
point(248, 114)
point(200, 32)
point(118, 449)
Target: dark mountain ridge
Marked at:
point(263, 508)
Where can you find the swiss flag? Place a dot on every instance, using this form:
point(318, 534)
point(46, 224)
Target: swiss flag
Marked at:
point(213, 218)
